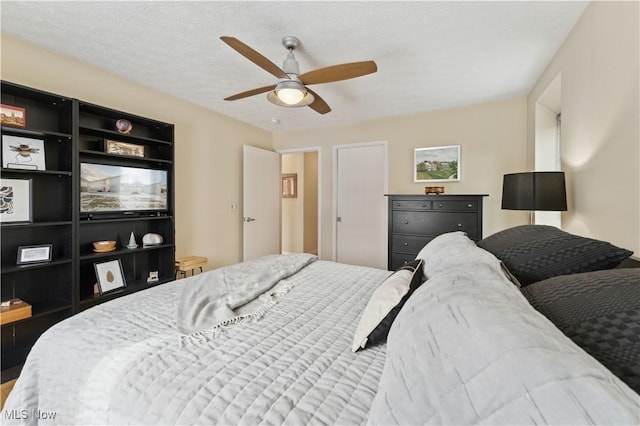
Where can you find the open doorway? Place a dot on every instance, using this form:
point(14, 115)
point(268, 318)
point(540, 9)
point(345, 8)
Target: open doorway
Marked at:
point(300, 202)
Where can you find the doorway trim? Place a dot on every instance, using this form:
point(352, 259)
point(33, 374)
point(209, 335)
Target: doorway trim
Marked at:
point(317, 149)
point(334, 210)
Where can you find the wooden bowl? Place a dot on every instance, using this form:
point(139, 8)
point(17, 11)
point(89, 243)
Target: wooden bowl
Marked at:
point(434, 189)
point(104, 245)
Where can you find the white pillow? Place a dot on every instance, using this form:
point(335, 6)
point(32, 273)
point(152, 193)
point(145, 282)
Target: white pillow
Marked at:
point(442, 248)
point(385, 304)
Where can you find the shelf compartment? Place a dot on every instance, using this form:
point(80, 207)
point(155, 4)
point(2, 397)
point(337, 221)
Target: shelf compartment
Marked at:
point(44, 288)
point(135, 266)
point(18, 338)
point(45, 113)
point(51, 195)
point(6, 269)
point(103, 155)
point(16, 236)
point(57, 149)
point(44, 309)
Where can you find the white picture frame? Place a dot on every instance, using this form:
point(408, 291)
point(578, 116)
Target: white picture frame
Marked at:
point(110, 276)
point(436, 164)
point(23, 153)
point(34, 254)
point(15, 200)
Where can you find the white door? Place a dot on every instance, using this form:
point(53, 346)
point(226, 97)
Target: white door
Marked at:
point(261, 203)
point(361, 222)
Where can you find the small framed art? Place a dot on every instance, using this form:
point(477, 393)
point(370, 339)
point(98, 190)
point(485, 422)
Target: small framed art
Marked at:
point(437, 164)
point(12, 116)
point(290, 185)
point(15, 200)
point(110, 276)
point(34, 254)
point(123, 148)
point(23, 153)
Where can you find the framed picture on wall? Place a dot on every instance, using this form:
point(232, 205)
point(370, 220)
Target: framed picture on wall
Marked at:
point(13, 115)
point(437, 164)
point(290, 185)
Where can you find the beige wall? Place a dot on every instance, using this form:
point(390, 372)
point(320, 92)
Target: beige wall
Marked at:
point(493, 140)
point(208, 145)
point(600, 106)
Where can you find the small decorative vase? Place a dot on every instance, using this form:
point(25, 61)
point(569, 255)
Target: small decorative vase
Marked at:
point(132, 242)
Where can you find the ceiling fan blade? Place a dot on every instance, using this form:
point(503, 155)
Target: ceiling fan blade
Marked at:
point(338, 72)
point(318, 105)
point(250, 93)
point(254, 56)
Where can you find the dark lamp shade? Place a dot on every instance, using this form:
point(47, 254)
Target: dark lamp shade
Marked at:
point(542, 191)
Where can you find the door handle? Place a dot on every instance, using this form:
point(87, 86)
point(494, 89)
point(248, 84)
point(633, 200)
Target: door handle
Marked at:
point(339, 219)
point(249, 219)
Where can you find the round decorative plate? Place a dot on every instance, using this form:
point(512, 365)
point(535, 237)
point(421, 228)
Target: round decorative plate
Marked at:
point(124, 126)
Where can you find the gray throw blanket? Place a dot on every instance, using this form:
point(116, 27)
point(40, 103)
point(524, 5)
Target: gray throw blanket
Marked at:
point(208, 300)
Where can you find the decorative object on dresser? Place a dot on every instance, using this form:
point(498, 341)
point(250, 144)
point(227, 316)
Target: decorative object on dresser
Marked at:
point(152, 240)
point(534, 191)
point(434, 190)
point(132, 242)
point(436, 164)
point(414, 220)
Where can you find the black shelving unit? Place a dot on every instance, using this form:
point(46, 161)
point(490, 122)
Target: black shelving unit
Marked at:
point(47, 287)
point(75, 132)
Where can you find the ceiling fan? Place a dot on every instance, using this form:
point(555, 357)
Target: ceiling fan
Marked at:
point(291, 89)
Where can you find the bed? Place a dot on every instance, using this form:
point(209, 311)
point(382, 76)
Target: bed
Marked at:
point(292, 339)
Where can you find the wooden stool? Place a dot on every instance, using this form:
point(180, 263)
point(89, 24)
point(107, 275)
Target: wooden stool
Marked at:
point(189, 263)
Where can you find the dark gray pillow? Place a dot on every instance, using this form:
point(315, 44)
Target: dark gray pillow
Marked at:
point(600, 312)
point(537, 252)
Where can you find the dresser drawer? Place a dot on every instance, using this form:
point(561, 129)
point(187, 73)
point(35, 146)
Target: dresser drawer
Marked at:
point(411, 204)
point(434, 223)
point(399, 259)
point(456, 205)
point(408, 243)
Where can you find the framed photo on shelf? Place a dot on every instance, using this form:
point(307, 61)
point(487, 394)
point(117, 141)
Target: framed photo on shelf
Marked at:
point(436, 164)
point(22, 153)
point(123, 148)
point(15, 200)
point(290, 185)
point(110, 276)
point(34, 254)
point(13, 116)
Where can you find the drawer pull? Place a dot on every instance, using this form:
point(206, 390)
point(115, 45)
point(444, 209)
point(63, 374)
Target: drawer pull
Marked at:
point(406, 222)
point(459, 225)
point(398, 204)
point(406, 244)
point(469, 205)
point(440, 205)
point(424, 204)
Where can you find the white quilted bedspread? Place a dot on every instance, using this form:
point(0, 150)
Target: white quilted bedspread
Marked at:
point(122, 362)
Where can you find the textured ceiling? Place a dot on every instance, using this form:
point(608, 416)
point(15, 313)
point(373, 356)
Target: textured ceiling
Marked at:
point(430, 55)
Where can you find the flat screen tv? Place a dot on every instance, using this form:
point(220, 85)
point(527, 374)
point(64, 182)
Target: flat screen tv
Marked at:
point(112, 189)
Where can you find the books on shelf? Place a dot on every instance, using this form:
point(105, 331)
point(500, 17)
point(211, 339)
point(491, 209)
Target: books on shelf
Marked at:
point(14, 310)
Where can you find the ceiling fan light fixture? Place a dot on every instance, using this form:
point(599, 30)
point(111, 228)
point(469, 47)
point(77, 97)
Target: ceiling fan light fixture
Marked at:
point(290, 92)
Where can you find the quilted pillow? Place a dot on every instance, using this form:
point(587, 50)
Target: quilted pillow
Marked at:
point(537, 252)
point(385, 304)
point(600, 312)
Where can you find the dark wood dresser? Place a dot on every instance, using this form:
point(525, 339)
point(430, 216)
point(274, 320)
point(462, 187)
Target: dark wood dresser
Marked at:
point(414, 220)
